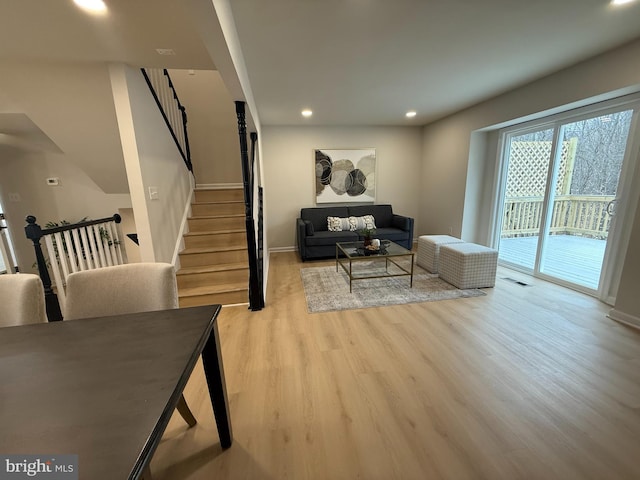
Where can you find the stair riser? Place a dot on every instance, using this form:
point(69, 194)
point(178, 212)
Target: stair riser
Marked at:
point(212, 278)
point(225, 298)
point(204, 209)
point(235, 194)
point(216, 240)
point(212, 258)
point(215, 224)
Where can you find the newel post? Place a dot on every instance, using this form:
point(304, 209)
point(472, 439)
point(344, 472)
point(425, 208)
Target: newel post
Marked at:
point(254, 284)
point(34, 233)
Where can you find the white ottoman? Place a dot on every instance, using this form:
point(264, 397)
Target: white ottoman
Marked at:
point(467, 265)
point(429, 248)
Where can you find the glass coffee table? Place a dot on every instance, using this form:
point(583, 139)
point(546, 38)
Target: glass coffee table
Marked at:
point(349, 255)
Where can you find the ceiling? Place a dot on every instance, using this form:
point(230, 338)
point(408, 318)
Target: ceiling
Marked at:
point(367, 62)
point(131, 31)
point(353, 62)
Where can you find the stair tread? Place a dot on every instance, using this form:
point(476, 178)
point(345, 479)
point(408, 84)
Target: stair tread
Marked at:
point(222, 215)
point(212, 289)
point(224, 189)
point(213, 268)
point(196, 250)
point(218, 202)
point(215, 232)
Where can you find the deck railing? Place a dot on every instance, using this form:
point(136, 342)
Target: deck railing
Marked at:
point(584, 215)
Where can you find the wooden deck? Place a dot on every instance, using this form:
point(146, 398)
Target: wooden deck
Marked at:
point(568, 257)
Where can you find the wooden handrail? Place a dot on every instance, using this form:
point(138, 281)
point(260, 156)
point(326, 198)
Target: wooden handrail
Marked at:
point(63, 228)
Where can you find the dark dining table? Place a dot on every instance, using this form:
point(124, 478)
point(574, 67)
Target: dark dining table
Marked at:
point(105, 388)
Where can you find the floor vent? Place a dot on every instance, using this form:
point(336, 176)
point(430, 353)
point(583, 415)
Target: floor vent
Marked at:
point(517, 282)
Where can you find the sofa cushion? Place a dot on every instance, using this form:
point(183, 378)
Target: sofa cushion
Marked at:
point(382, 213)
point(338, 224)
point(359, 223)
point(392, 234)
point(330, 238)
point(318, 216)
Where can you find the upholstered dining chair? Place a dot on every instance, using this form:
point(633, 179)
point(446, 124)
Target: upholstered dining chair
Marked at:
point(21, 300)
point(122, 289)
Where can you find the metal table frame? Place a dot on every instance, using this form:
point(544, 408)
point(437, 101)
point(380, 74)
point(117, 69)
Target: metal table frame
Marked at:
point(389, 254)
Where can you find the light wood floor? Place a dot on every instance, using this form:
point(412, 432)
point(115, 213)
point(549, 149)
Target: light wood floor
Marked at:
point(524, 383)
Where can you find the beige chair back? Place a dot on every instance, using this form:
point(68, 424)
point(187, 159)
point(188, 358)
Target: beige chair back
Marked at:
point(121, 289)
point(21, 300)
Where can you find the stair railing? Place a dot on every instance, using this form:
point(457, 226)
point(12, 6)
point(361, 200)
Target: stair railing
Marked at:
point(72, 248)
point(173, 112)
point(256, 297)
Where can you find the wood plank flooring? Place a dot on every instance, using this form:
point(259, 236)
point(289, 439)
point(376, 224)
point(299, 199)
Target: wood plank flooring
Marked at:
point(524, 383)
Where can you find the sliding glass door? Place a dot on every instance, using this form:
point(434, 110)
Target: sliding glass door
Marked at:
point(529, 157)
point(559, 196)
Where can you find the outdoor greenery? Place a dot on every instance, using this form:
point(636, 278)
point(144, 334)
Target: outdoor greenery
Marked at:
point(601, 143)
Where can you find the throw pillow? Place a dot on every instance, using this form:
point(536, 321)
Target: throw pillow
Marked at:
point(360, 223)
point(337, 224)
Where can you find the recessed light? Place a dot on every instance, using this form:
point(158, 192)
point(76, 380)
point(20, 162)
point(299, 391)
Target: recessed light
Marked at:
point(411, 114)
point(93, 6)
point(307, 113)
point(621, 2)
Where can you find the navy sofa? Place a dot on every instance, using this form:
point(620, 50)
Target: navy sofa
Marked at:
point(316, 241)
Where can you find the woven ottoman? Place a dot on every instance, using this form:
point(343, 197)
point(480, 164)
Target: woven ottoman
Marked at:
point(429, 248)
point(467, 265)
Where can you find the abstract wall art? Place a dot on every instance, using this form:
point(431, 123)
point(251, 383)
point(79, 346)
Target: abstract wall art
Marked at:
point(345, 175)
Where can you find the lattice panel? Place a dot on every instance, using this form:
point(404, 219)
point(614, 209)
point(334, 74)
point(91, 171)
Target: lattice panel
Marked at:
point(529, 164)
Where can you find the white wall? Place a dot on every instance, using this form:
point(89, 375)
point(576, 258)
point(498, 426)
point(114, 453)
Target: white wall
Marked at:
point(452, 165)
point(447, 153)
point(212, 126)
point(627, 306)
point(289, 170)
point(71, 103)
point(152, 160)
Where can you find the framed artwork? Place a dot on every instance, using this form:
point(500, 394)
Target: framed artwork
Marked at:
point(345, 175)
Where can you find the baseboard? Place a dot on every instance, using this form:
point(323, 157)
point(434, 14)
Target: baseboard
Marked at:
point(282, 249)
point(217, 186)
point(630, 320)
point(183, 229)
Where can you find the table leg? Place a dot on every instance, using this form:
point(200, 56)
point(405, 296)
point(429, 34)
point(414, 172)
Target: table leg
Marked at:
point(411, 282)
point(214, 372)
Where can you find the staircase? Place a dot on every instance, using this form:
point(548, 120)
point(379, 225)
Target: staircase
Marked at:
point(214, 264)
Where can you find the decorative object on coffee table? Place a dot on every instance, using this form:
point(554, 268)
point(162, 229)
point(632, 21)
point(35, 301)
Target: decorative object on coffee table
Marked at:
point(367, 235)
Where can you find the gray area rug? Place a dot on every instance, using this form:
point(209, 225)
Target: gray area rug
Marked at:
point(327, 290)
